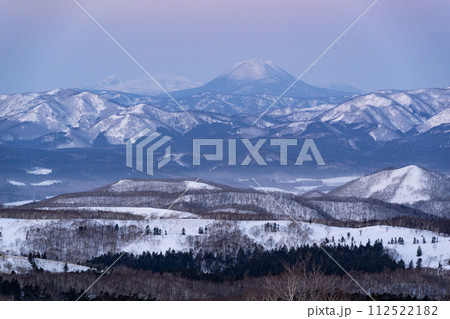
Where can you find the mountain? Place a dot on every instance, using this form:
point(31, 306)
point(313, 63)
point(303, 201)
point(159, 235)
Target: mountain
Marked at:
point(393, 113)
point(81, 118)
point(344, 87)
point(146, 86)
point(442, 118)
point(255, 77)
point(408, 184)
point(353, 133)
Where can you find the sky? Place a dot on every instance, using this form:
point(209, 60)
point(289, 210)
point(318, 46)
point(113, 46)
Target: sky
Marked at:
point(398, 44)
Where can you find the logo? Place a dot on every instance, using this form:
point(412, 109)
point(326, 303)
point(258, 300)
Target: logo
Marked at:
point(149, 144)
point(146, 144)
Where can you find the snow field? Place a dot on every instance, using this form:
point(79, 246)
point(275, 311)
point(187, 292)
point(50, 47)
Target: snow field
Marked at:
point(14, 233)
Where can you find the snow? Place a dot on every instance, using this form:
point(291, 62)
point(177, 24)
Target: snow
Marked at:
point(298, 189)
point(17, 264)
point(333, 181)
point(272, 189)
point(114, 113)
point(408, 184)
point(46, 182)
point(58, 266)
point(250, 70)
point(439, 119)
point(383, 134)
point(15, 183)
point(412, 184)
point(39, 171)
point(147, 212)
point(199, 185)
point(396, 111)
point(14, 233)
point(411, 179)
point(158, 185)
point(21, 265)
point(18, 203)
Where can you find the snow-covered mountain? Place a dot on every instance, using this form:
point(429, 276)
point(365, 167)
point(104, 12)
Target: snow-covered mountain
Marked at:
point(408, 184)
point(439, 119)
point(78, 118)
point(146, 86)
point(394, 113)
point(74, 118)
point(380, 129)
point(255, 77)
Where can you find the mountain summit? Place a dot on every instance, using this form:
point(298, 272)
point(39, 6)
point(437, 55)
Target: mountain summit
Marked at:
point(256, 77)
point(257, 70)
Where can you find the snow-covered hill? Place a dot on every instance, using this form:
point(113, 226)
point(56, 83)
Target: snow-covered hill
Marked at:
point(21, 265)
point(408, 184)
point(169, 186)
point(209, 198)
point(64, 239)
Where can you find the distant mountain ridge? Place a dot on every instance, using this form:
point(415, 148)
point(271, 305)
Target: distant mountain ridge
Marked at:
point(362, 132)
point(78, 118)
point(217, 199)
point(145, 86)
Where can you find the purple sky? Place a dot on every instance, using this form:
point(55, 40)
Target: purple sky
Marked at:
point(51, 44)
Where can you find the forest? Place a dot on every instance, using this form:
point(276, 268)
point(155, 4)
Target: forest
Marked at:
point(258, 262)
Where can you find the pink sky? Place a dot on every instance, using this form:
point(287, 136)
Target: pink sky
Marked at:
point(52, 43)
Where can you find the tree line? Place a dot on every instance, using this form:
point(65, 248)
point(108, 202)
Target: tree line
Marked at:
point(256, 262)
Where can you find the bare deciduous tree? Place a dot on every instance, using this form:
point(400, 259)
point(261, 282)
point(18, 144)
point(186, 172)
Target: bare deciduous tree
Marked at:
point(303, 281)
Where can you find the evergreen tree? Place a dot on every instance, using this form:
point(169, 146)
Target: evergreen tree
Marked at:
point(66, 267)
point(419, 252)
point(411, 265)
point(183, 232)
point(419, 263)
